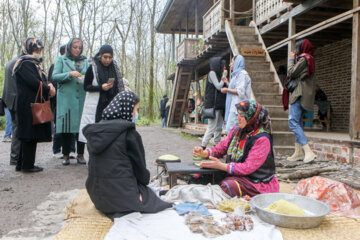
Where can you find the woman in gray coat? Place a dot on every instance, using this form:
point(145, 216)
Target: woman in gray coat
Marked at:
point(118, 178)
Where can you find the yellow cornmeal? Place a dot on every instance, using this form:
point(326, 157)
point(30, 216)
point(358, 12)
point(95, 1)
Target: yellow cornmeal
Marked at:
point(230, 205)
point(168, 157)
point(285, 207)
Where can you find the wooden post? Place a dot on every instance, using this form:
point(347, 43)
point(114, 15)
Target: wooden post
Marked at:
point(232, 9)
point(180, 33)
point(291, 32)
point(173, 47)
point(354, 130)
point(187, 23)
point(197, 97)
point(254, 10)
point(196, 18)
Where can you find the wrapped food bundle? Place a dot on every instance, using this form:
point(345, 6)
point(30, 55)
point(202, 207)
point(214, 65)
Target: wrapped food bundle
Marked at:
point(230, 205)
point(205, 225)
point(285, 207)
point(238, 221)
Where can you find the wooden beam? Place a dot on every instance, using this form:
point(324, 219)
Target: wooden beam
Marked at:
point(173, 47)
point(316, 28)
point(232, 9)
point(254, 10)
point(196, 18)
point(354, 130)
point(300, 9)
point(292, 31)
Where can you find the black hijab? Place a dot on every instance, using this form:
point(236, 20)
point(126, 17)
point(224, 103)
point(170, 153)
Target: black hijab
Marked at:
point(121, 107)
point(79, 63)
point(216, 65)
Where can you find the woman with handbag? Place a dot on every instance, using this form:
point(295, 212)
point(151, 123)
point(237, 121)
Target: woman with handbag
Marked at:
point(32, 87)
point(102, 82)
point(69, 73)
point(301, 85)
point(214, 103)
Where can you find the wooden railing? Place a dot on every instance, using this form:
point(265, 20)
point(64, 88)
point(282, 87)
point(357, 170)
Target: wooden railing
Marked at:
point(213, 20)
point(187, 49)
point(265, 9)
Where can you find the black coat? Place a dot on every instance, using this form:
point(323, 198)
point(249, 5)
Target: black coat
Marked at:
point(105, 97)
point(28, 81)
point(117, 170)
point(10, 90)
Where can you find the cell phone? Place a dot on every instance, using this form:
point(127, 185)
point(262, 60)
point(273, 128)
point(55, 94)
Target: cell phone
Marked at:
point(111, 80)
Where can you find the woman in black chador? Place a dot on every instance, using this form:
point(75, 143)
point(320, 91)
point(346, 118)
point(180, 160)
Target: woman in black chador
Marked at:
point(118, 178)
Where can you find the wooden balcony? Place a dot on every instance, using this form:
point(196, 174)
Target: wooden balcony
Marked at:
point(266, 9)
point(187, 49)
point(214, 20)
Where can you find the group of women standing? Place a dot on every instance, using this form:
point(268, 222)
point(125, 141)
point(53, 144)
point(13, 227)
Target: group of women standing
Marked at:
point(80, 81)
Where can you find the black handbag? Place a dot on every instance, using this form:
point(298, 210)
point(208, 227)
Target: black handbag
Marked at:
point(2, 107)
point(291, 84)
point(209, 112)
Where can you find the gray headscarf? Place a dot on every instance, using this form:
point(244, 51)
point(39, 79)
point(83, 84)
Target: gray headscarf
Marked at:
point(79, 63)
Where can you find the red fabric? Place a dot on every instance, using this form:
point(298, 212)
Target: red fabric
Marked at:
point(307, 50)
point(285, 96)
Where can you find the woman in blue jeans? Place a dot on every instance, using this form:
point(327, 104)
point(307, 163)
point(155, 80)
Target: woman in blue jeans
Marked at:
point(8, 128)
point(302, 98)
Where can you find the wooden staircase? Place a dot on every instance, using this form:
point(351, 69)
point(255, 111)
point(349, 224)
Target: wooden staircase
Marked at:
point(183, 77)
point(266, 86)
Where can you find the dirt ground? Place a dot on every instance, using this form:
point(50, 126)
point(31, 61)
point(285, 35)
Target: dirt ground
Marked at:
point(31, 204)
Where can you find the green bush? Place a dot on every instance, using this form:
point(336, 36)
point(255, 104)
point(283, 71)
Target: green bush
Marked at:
point(144, 121)
point(2, 123)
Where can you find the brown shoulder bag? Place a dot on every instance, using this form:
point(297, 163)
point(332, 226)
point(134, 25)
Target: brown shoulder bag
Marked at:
point(41, 111)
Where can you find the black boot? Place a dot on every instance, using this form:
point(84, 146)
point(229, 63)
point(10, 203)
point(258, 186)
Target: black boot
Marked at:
point(66, 160)
point(80, 159)
point(32, 170)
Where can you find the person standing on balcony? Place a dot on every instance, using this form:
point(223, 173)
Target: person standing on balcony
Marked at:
point(239, 90)
point(215, 99)
point(303, 96)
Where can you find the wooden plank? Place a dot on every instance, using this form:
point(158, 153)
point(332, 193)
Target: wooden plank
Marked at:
point(300, 9)
point(256, 52)
point(316, 28)
point(231, 38)
point(354, 130)
point(292, 31)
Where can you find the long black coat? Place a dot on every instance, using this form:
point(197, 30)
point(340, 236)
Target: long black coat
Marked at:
point(28, 81)
point(117, 170)
point(10, 90)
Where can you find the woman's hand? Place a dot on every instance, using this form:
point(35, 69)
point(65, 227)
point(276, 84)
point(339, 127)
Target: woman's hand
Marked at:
point(215, 164)
point(52, 91)
point(199, 152)
point(224, 90)
point(225, 80)
point(75, 74)
point(107, 86)
point(292, 55)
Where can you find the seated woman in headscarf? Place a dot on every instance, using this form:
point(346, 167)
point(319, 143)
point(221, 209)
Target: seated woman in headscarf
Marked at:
point(250, 166)
point(118, 178)
point(102, 82)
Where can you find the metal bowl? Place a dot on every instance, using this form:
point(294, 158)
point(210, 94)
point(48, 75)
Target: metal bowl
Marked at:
point(314, 209)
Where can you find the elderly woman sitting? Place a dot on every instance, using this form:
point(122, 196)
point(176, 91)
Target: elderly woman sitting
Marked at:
point(250, 165)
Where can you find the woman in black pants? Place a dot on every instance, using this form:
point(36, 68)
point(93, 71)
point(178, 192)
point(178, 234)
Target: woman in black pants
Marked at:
point(29, 76)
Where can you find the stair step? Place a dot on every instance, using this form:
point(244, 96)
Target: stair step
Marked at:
point(276, 111)
point(265, 87)
point(254, 45)
point(261, 76)
point(280, 124)
point(258, 66)
point(269, 99)
point(242, 30)
point(246, 38)
point(254, 58)
point(284, 150)
point(283, 138)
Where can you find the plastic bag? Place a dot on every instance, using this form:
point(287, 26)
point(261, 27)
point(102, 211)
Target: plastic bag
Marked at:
point(343, 200)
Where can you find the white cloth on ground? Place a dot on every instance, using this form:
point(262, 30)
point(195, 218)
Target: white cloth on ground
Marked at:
point(168, 225)
point(209, 195)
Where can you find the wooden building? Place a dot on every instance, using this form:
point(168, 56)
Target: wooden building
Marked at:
point(264, 31)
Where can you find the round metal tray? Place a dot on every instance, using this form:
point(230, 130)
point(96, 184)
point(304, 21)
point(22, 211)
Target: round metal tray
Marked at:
point(314, 209)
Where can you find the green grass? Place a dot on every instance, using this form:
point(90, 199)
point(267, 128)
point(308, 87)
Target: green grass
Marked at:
point(188, 136)
point(144, 121)
point(2, 123)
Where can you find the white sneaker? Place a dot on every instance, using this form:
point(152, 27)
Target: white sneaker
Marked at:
point(57, 155)
point(7, 139)
point(73, 155)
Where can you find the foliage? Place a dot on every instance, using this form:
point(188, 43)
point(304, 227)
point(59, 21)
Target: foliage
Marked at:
point(188, 136)
point(173, 66)
point(2, 79)
point(144, 121)
point(2, 123)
